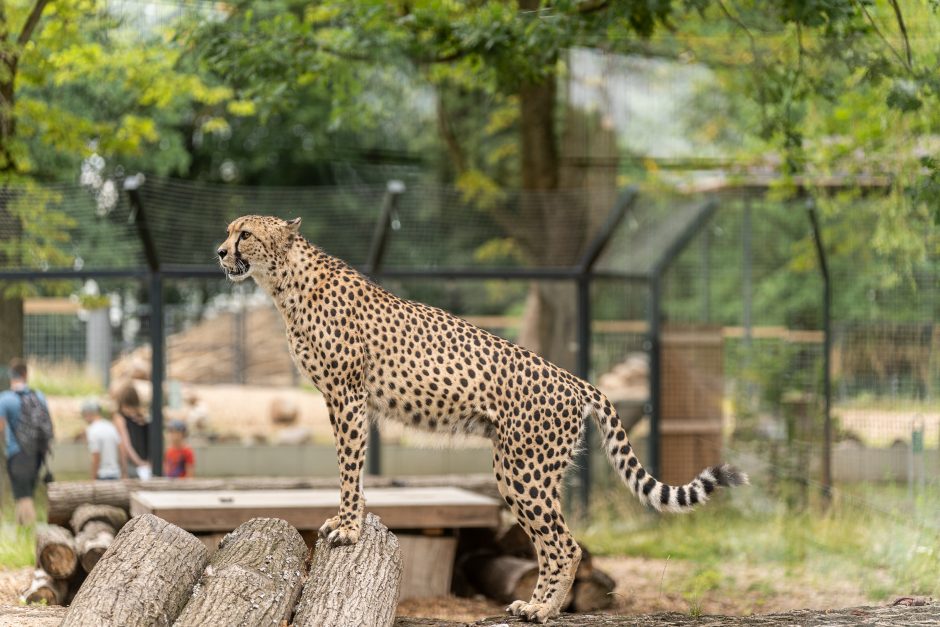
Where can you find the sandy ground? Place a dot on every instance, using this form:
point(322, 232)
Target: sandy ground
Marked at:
point(643, 586)
point(242, 413)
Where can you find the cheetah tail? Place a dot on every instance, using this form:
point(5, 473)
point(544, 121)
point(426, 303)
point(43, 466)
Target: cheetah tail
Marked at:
point(647, 488)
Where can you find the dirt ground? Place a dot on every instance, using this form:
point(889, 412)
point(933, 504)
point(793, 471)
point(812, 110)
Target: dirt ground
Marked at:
point(648, 586)
point(644, 586)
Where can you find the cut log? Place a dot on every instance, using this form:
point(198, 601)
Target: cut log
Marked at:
point(114, 517)
point(592, 593)
point(55, 551)
point(144, 578)
point(92, 542)
point(515, 542)
point(504, 578)
point(66, 496)
point(253, 579)
point(45, 589)
point(353, 585)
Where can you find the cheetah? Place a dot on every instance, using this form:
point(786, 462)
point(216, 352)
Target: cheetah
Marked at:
point(373, 354)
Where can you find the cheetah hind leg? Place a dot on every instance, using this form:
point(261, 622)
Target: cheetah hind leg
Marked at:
point(543, 605)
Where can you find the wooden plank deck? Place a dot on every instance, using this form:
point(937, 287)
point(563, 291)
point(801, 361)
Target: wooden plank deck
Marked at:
point(399, 508)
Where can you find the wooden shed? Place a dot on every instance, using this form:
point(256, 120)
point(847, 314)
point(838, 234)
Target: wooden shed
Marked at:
point(691, 386)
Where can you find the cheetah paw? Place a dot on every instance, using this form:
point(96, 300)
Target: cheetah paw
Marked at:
point(532, 612)
point(343, 536)
point(329, 526)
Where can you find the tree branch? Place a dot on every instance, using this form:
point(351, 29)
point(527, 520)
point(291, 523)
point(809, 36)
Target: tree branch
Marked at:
point(585, 8)
point(454, 149)
point(31, 22)
point(903, 27)
point(881, 35)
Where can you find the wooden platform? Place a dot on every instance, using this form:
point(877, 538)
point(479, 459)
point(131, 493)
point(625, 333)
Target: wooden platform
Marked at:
point(399, 508)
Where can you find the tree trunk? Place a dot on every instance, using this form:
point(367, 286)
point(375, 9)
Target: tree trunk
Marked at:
point(353, 585)
point(593, 592)
point(253, 579)
point(144, 579)
point(586, 161)
point(55, 551)
point(114, 517)
point(92, 542)
point(11, 307)
point(45, 589)
point(65, 496)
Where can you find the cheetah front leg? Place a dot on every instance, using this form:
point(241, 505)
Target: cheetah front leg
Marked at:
point(349, 418)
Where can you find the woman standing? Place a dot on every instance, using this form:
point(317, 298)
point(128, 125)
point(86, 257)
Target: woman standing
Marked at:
point(134, 429)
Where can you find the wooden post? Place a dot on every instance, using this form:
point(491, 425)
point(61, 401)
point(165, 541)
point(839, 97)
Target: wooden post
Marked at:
point(253, 579)
point(144, 579)
point(55, 551)
point(353, 585)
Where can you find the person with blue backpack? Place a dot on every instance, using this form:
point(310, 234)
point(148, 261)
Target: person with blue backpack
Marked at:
point(27, 427)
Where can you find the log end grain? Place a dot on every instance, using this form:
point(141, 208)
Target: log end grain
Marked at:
point(55, 551)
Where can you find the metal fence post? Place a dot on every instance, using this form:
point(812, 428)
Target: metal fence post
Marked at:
point(583, 282)
point(157, 366)
point(373, 265)
point(827, 352)
point(157, 357)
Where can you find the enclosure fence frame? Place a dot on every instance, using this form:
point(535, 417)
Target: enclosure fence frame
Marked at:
point(582, 275)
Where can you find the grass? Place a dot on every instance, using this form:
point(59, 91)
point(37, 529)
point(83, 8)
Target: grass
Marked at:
point(64, 378)
point(873, 537)
point(17, 544)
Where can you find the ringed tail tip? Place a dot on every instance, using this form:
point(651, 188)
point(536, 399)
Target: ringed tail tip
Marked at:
point(729, 476)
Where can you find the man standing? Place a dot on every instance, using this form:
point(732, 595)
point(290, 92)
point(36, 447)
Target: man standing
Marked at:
point(104, 442)
point(24, 417)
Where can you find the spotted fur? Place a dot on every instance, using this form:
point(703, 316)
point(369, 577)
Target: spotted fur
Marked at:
point(373, 354)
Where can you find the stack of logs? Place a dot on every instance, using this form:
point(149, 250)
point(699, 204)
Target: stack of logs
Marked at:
point(63, 560)
point(503, 567)
point(158, 574)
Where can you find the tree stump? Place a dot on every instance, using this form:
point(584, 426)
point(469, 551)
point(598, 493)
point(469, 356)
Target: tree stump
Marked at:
point(55, 551)
point(45, 589)
point(144, 579)
point(114, 517)
point(253, 579)
point(353, 585)
point(92, 542)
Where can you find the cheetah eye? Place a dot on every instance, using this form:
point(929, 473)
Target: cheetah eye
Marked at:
point(245, 235)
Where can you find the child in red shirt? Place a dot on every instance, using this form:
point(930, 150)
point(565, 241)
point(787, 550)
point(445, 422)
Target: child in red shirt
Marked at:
point(178, 461)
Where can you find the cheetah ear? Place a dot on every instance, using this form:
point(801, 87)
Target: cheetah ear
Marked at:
point(294, 225)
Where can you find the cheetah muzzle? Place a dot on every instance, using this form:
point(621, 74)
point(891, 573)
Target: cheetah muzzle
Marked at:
point(373, 354)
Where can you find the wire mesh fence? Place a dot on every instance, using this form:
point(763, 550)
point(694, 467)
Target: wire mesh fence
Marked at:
point(722, 355)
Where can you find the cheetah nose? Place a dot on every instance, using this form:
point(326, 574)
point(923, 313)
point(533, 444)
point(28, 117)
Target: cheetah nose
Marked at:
point(222, 252)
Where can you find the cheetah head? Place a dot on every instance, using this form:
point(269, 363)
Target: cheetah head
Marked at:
point(255, 245)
